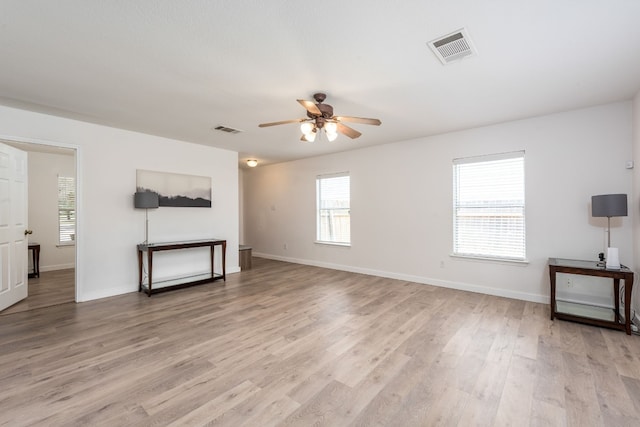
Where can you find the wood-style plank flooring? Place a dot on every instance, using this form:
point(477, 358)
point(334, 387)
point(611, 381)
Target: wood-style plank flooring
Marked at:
point(292, 345)
point(51, 288)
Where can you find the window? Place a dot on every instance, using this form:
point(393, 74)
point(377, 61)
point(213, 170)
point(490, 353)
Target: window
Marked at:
point(66, 210)
point(333, 204)
point(488, 206)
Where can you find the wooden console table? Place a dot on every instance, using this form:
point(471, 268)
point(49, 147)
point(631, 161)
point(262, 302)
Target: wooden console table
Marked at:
point(591, 315)
point(150, 248)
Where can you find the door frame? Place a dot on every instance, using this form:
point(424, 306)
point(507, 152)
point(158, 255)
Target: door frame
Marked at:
point(79, 241)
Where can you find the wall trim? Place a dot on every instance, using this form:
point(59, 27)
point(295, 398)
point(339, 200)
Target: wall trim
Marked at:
point(56, 267)
point(524, 296)
point(79, 284)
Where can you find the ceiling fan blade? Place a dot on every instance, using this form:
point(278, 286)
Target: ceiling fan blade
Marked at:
point(284, 122)
point(310, 107)
point(346, 130)
point(362, 120)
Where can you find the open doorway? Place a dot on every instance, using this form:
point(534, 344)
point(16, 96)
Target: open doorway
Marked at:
point(52, 222)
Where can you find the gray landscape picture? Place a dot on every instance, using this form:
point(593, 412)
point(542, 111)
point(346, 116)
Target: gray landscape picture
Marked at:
point(176, 189)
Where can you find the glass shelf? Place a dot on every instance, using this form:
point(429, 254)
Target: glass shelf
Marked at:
point(586, 311)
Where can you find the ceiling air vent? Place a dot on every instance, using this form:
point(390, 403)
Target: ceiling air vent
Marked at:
point(227, 129)
point(453, 47)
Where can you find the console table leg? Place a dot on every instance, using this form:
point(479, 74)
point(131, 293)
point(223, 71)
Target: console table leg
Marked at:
point(616, 296)
point(628, 283)
point(552, 302)
point(150, 265)
point(211, 254)
point(224, 260)
point(139, 270)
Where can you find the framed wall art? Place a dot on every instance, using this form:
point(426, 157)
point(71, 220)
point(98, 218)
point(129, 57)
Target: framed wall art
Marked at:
point(174, 189)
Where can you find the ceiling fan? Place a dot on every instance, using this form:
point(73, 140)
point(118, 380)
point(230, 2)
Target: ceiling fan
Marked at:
point(320, 116)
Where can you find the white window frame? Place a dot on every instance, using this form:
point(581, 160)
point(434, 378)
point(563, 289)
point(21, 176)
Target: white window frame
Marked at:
point(489, 207)
point(332, 239)
point(66, 187)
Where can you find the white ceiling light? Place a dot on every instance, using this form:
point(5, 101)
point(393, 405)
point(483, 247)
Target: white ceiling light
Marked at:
point(309, 137)
point(306, 127)
point(311, 129)
point(331, 127)
point(252, 163)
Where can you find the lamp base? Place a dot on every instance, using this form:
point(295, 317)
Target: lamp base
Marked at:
point(613, 259)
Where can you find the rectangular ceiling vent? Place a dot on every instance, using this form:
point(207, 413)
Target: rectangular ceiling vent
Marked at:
point(453, 47)
point(227, 129)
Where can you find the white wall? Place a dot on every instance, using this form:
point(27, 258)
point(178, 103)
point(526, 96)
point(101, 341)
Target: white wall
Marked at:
point(401, 202)
point(108, 226)
point(44, 169)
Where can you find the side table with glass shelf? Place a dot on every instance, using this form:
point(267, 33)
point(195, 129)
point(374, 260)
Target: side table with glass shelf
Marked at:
point(165, 285)
point(592, 315)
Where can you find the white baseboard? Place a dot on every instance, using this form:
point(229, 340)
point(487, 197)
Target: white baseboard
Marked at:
point(56, 267)
point(102, 293)
point(106, 293)
point(544, 299)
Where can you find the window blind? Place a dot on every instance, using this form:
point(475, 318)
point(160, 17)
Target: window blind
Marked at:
point(333, 208)
point(489, 206)
point(66, 210)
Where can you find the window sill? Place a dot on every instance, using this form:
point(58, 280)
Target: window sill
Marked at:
point(64, 245)
point(497, 260)
point(322, 242)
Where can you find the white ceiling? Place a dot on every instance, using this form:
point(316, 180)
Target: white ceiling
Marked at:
point(179, 68)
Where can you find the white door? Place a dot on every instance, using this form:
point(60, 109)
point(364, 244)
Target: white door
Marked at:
point(13, 224)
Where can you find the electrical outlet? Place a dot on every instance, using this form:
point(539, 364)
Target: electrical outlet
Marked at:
point(569, 282)
point(441, 264)
point(285, 246)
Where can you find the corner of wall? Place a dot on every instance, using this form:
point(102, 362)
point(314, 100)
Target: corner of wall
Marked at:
point(635, 199)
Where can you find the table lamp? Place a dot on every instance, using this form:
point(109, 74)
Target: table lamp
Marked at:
point(609, 205)
point(146, 200)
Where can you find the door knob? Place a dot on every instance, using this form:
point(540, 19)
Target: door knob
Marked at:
point(26, 232)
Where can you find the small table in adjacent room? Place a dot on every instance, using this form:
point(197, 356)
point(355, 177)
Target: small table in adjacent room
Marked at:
point(592, 315)
point(35, 253)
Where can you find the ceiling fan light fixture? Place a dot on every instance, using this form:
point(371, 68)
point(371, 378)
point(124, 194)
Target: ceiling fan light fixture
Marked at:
point(309, 137)
point(331, 127)
point(320, 116)
point(306, 127)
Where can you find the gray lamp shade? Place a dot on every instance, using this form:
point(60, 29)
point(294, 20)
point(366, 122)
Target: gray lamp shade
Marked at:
point(145, 200)
point(609, 205)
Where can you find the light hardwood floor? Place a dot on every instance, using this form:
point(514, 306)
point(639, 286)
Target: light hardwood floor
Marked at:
point(51, 288)
point(286, 344)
